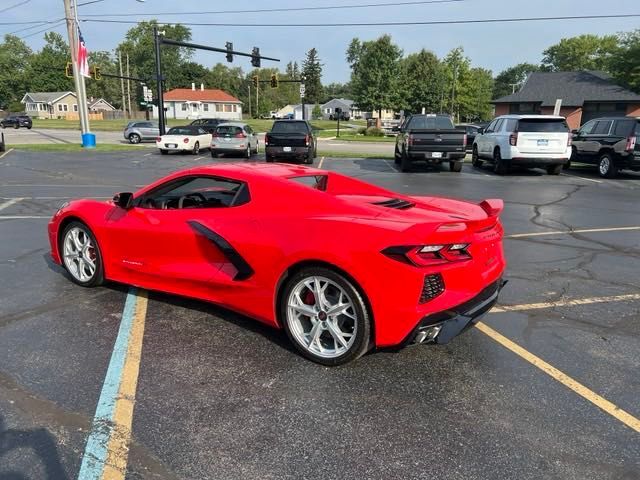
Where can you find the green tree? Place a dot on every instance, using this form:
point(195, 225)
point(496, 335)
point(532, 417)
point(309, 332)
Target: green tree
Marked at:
point(625, 65)
point(46, 68)
point(316, 113)
point(374, 73)
point(584, 52)
point(15, 56)
point(457, 67)
point(511, 78)
point(424, 82)
point(337, 90)
point(476, 90)
point(312, 73)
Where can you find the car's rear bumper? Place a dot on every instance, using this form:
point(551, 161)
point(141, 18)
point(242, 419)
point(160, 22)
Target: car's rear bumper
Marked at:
point(432, 157)
point(443, 326)
point(537, 158)
point(295, 152)
point(538, 161)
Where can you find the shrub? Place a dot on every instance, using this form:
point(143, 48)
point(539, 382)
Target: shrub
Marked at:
point(362, 131)
point(374, 132)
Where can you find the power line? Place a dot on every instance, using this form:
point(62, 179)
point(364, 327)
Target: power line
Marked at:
point(35, 26)
point(49, 27)
point(269, 10)
point(381, 24)
point(14, 6)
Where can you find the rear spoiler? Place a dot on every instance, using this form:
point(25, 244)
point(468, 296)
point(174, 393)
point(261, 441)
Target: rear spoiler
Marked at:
point(492, 206)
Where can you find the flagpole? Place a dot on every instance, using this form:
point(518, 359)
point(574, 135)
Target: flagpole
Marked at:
point(81, 94)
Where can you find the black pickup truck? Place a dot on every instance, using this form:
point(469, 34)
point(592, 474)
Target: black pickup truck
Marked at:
point(432, 138)
point(291, 139)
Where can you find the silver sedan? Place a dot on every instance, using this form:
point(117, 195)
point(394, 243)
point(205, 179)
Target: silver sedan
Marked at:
point(234, 138)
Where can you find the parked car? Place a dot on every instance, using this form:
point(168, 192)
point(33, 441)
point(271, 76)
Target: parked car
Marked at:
point(431, 138)
point(524, 140)
point(612, 143)
point(234, 138)
point(471, 131)
point(292, 139)
point(140, 131)
point(17, 121)
point(184, 139)
point(343, 266)
point(209, 124)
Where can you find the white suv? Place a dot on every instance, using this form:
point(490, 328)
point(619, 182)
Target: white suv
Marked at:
point(524, 140)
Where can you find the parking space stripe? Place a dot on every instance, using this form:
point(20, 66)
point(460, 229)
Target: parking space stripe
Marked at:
point(602, 403)
point(581, 178)
point(107, 447)
point(566, 303)
point(320, 164)
point(569, 232)
point(8, 203)
point(23, 217)
point(6, 153)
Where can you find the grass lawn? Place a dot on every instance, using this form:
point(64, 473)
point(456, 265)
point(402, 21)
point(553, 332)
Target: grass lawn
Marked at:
point(363, 138)
point(75, 147)
point(329, 153)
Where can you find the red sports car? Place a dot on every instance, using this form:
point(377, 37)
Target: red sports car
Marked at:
point(342, 265)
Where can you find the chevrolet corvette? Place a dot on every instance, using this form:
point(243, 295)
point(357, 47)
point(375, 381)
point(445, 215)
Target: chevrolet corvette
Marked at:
point(341, 265)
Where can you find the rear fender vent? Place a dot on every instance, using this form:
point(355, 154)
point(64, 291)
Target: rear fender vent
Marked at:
point(396, 203)
point(432, 287)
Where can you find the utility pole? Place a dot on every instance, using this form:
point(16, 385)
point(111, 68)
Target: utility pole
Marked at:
point(71, 16)
point(250, 100)
point(257, 102)
point(159, 81)
point(124, 102)
point(129, 88)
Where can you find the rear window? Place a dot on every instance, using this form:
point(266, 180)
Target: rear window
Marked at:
point(318, 182)
point(228, 130)
point(624, 128)
point(430, 123)
point(290, 127)
point(184, 131)
point(542, 125)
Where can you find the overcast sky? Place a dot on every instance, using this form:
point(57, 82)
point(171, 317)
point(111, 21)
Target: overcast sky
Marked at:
point(493, 46)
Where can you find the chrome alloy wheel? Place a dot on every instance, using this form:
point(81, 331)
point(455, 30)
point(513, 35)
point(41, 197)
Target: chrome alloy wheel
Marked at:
point(322, 317)
point(79, 254)
point(605, 165)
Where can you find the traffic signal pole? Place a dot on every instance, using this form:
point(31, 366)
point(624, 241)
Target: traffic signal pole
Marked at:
point(159, 81)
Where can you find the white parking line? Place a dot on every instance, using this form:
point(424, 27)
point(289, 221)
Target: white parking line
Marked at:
point(6, 153)
point(569, 232)
point(583, 178)
point(23, 217)
point(320, 163)
point(8, 203)
point(565, 303)
point(391, 166)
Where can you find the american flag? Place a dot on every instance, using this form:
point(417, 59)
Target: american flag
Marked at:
point(83, 60)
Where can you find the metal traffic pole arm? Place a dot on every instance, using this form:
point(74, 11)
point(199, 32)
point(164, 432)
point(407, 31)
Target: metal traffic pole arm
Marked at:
point(176, 43)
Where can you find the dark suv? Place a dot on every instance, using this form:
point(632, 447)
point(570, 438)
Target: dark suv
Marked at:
point(612, 143)
point(17, 121)
point(208, 124)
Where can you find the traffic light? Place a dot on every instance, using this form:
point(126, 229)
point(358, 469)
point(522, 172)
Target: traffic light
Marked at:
point(255, 57)
point(229, 46)
point(255, 81)
point(96, 73)
point(274, 80)
point(68, 70)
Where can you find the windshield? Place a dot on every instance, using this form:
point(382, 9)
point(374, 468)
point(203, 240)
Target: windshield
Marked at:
point(543, 125)
point(290, 127)
point(430, 123)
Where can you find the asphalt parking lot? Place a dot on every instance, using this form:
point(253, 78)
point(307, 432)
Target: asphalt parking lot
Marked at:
point(220, 396)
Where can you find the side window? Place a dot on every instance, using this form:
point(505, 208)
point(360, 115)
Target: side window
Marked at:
point(491, 126)
point(602, 127)
point(498, 126)
point(248, 130)
point(196, 192)
point(587, 128)
point(623, 128)
point(511, 125)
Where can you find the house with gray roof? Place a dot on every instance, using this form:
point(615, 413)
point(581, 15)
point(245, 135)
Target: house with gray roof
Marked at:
point(50, 104)
point(347, 107)
point(585, 95)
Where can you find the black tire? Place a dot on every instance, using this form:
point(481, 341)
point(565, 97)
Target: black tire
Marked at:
point(455, 166)
point(475, 158)
point(361, 343)
point(98, 276)
point(405, 162)
point(606, 167)
point(214, 154)
point(396, 156)
point(554, 169)
point(247, 153)
point(134, 138)
point(164, 152)
point(315, 151)
point(16, 126)
point(309, 160)
point(567, 165)
point(499, 165)
point(196, 148)
point(270, 159)
point(29, 127)
point(257, 149)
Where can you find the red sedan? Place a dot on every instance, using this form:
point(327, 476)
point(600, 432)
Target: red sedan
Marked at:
point(342, 265)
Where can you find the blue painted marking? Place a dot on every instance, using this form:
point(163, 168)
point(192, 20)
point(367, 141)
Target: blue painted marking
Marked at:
point(95, 452)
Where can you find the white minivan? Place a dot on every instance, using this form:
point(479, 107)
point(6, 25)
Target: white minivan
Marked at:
point(524, 140)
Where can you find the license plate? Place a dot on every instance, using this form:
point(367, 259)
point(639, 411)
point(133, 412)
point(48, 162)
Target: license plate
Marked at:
point(286, 149)
point(172, 145)
point(543, 143)
point(436, 154)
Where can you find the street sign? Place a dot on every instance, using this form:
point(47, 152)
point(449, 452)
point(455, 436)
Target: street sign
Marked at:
point(302, 89)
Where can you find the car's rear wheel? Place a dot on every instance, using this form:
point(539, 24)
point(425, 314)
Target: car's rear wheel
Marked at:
point(196, 148)
point(214, 154)
point(455, 166)
point(405, 162)
point(16, 126)
point(606, 167)
point(325, 316)
point(475, 158)
point(554, 169)
point(396, 156)
point(81, 255)
point(247, 152)
point(499, 165)
point(270, 158)
point(257, 149)
point(134, 138)
point(164, 152)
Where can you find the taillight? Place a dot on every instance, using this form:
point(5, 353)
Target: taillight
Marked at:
point(569, 140)
point(240, 135)
point(186, 140)
point(158, 139)
point(306, 140)
point(464, 140)
point(215, 135)
point(631, 144)
point(429, 255)
point(513, 139)
point(266, 140)
point(410, 140)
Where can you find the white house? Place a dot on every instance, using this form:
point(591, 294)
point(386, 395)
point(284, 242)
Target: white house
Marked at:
point(100, 105)
point(347, 106)
point(191, 104)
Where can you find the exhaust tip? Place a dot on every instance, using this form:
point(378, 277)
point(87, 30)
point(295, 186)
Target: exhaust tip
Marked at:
point(428, 334)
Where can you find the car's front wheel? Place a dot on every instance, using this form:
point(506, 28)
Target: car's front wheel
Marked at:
point(405, 162)
point(81, 255)
point(196, 148)
point(606, 167)
point(325, 316)
point(134, 138)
